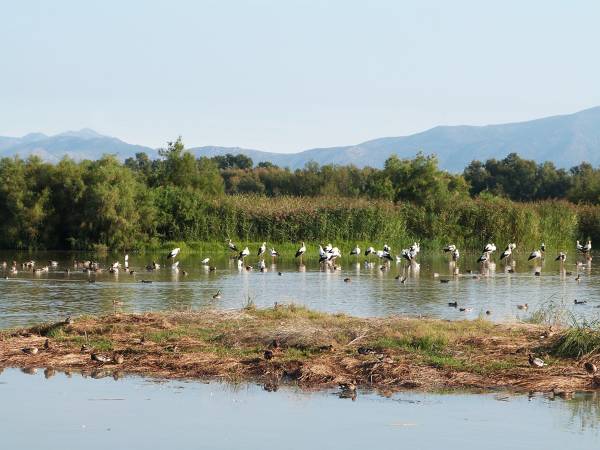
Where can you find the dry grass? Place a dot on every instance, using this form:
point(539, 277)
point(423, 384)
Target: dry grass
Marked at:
point(313, 349)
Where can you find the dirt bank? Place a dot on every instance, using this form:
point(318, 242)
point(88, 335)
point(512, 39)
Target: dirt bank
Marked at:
point(293, 344)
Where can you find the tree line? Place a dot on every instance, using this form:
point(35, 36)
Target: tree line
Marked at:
point(144, 201)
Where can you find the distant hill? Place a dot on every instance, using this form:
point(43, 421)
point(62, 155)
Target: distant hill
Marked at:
point(82, 144)
point(566, 140)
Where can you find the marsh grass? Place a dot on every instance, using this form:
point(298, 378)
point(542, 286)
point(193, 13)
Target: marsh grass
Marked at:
point(581, 339)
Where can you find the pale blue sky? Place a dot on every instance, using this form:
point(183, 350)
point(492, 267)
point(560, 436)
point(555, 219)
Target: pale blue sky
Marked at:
point(289, 75)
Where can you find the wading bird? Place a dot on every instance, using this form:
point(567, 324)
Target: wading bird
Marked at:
point(243, 254)
point(262, 249)
point(536, 254)
point(489, 248)
point(355, 251)
point(205, 261)
point(173, 253)
point(449, 248)
point(231, 246)
point(274, 253)
point(302, 250)
point(455, 255)
point(562, 257)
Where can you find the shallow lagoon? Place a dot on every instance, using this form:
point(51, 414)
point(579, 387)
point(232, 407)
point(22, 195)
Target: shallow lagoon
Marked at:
point(26, 297)
point(73, 412)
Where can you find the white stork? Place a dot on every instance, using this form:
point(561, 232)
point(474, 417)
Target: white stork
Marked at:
point(243, 254)
point(301, 251)
point(262, 249)
point(205, 261)
point(355, 251)
point(562, 257)
point(173, 253)
point(231, 246)
point(449, 248)
point(455, 254)
point(536, 254)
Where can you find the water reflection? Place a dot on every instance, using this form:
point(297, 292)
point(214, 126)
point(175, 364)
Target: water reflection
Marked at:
point(103, 413)
point(376, 289)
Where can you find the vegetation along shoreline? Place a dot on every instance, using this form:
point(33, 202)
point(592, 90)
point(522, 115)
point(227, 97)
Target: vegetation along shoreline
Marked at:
point(291, 344)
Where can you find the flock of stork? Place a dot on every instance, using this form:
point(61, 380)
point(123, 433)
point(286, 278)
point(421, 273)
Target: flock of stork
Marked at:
point(328, 256)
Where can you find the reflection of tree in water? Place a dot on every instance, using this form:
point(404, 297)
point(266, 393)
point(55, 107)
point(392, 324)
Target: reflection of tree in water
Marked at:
point(585, 410)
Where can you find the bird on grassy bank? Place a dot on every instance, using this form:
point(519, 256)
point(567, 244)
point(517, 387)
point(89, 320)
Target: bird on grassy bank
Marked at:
point(30, 350)
point(100, 358)
point(590, 367)
point(262, 249)
point(536, 254)
point(173, 253)
point(231, 246)
point(535, 362)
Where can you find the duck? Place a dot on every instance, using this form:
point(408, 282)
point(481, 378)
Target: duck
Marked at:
point(217, 295)
point(590, 367)
point(100, 358)
point(30, 350)
point(536, 362)
point(524, 306)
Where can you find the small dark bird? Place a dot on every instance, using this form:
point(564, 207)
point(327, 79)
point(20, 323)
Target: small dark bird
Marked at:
point(212, 268)
point(85, 348)
point(488, 312)
point(217, 295)
point(538, 273)
point(46, 344)
point(578, 278)
point(453, 304)
point(30, 350)
point(69, 321)
point(268, 354)
point(444, 281)
point(590, 368)
point(347, 280)
point(147, 281)
point(365, 351)
point(579, 302)
point(279, 273)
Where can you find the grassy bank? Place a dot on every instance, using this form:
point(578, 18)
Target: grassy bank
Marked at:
point(313, 349)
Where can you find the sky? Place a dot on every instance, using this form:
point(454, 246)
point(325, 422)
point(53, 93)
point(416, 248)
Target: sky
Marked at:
point(287, 75)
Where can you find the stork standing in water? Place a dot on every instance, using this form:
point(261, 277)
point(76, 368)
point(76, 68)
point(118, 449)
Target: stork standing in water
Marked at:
point(173, 253)
point(243, 254)
point(562, 257)
point(300, 252)
point(232, 246)
point(536, 254)
point(274, 254)
point(262, 249)
point(126, 261)
point(455, 254)
point(507, 253)
point(449, 248)
point(355, 251)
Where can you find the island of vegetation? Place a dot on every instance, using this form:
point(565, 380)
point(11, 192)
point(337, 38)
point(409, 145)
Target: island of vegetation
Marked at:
point(291, 344)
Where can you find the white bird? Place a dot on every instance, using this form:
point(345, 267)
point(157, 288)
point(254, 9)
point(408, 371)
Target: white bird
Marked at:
point(536, 362)
point(355, 251)
point(455, 255)
point(173, 253)
point(536, 254)
point(369, 250)
point(587, 247)
point(449, 248)
point(327, 248)
point(244, 253)
point(483, 258)
point(175, 265)
point(489, 248)
point(562, 257)
point(205, 261)
point(231, 246)
point(302, 250)
point(274, 253)
point(415, 248)
point(543, 248)
point(262, 249)
point(387, 248)
point(506, 253)
point(580, 247)
point(334, 253)
point(262, 266)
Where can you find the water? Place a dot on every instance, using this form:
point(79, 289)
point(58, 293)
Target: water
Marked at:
point(26, 298)
point(135, 413)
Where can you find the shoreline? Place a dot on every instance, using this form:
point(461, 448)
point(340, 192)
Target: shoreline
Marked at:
point(294, 345)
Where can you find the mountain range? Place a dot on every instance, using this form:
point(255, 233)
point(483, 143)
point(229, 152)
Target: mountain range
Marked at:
point(565, 140)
